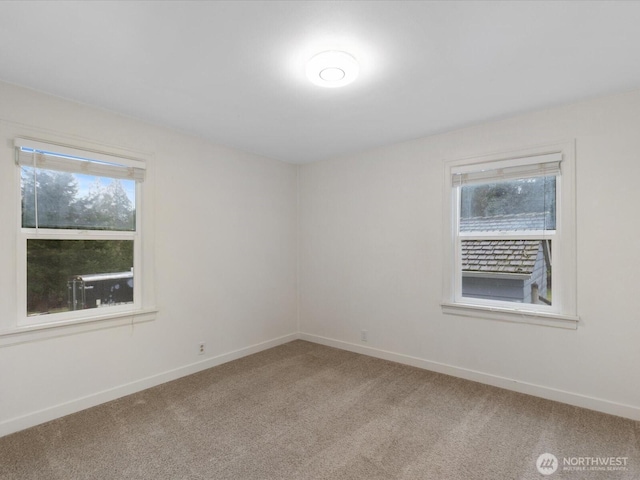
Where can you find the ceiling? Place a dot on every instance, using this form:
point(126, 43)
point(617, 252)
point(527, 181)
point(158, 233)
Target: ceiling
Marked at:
point(234, 72)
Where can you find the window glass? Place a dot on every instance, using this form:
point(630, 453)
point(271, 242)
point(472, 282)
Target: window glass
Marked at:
point(507, 270)
point(510, 205)
point(65, 275)
point(64, 200)
point(507, 266)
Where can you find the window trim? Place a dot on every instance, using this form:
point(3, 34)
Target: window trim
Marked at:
point(79, 153)
point(563, 314)
point(43, 331)
point(132, 313)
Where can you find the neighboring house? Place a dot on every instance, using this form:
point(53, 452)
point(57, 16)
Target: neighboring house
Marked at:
point(505, 269)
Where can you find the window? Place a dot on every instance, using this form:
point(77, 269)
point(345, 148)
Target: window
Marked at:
point(511, 237)
point(79, 239)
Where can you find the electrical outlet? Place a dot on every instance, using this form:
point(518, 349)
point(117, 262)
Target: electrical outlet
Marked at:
point(201, 348)
point(363, 335)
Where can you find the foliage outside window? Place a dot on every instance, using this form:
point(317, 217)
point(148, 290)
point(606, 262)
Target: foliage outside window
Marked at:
point(79, 232)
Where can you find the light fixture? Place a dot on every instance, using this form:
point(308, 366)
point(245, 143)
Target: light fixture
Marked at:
point(332, 69)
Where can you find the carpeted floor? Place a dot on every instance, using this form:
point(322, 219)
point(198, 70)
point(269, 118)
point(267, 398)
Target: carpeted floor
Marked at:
point(305, 411)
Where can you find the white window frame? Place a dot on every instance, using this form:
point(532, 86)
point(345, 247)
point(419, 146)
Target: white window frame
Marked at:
point(107, 316)
point(563, 311)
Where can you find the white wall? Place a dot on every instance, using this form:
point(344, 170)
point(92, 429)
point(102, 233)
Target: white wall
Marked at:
point(225, 265)
point(371, 258)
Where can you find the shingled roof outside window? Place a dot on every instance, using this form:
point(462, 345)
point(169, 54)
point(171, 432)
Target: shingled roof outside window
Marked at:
point(501, 256)
point(508, 223)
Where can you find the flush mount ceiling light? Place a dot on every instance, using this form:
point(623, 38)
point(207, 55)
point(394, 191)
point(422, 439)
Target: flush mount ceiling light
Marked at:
point(332, 69)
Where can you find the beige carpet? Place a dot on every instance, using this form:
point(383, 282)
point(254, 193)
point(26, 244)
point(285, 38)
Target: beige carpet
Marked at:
point(305, 411)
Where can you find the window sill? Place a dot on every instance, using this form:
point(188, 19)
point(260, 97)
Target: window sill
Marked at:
point(512, 315)
point(45, 331)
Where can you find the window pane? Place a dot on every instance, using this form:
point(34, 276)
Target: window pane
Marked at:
point(62, 274)
point(52, 199)
point(511, 205)
point(507, 270)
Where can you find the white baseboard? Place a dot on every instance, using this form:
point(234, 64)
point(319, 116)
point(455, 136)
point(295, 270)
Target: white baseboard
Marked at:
point(575, 399)
point(41, 416)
